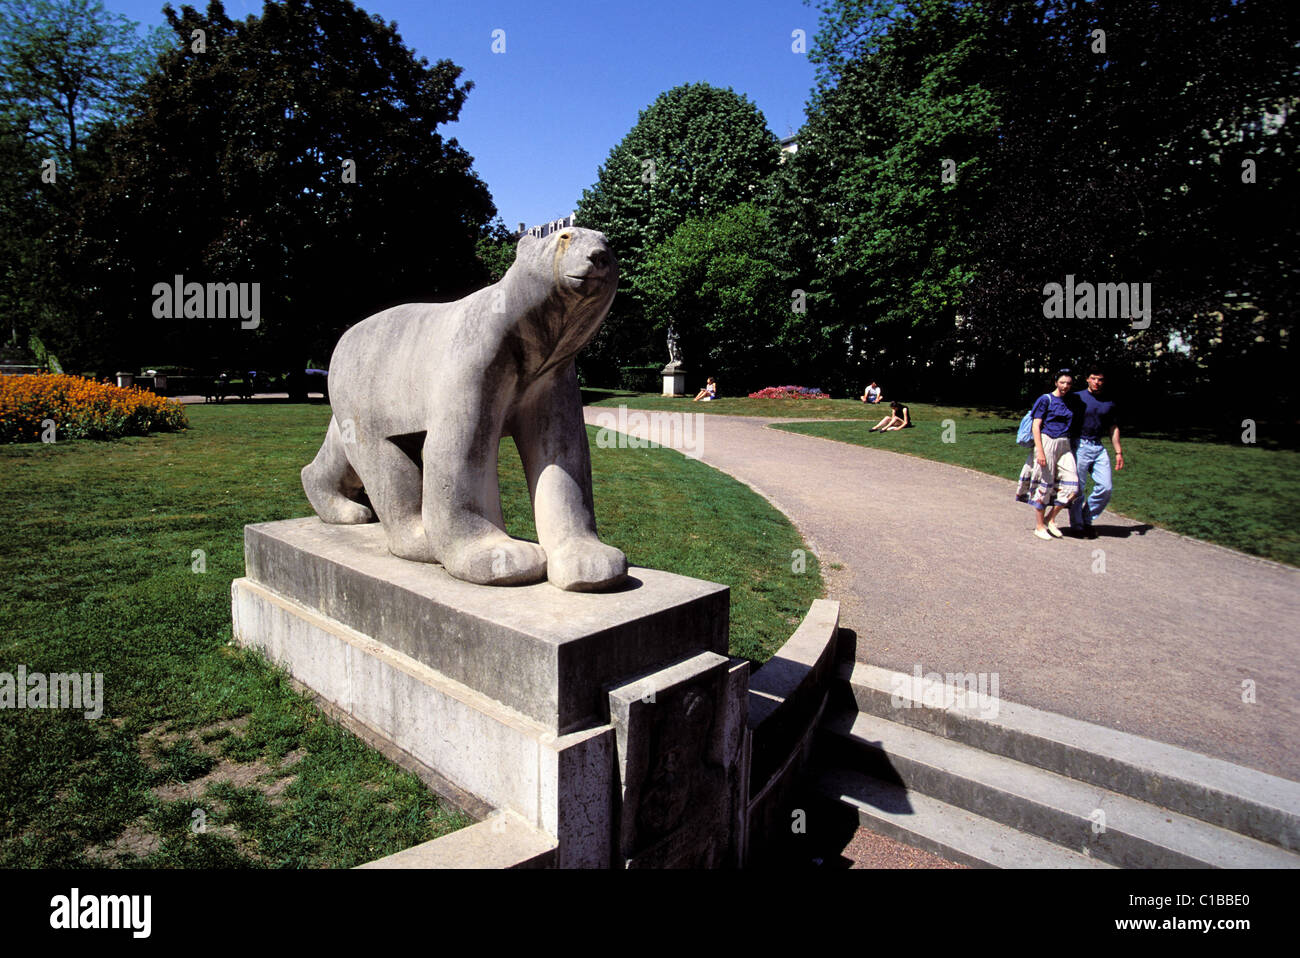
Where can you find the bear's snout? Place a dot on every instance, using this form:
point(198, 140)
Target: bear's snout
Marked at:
point(589, 258)
point(599, 266)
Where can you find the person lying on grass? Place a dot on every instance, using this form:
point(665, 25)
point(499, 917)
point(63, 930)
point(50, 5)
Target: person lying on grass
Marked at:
point(899, 418)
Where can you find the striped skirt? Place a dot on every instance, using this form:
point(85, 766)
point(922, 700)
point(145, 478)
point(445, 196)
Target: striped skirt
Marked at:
point(1056, 483)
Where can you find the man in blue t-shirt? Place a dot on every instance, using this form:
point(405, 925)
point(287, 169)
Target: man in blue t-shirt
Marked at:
point(1097, 420)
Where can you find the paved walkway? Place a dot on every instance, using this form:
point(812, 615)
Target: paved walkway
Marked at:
point(935, 565)
point(192, 400)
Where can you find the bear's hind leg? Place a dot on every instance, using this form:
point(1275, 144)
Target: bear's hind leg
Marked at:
point(330, 481)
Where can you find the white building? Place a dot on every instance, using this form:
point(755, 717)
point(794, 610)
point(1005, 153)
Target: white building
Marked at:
point(546, 229)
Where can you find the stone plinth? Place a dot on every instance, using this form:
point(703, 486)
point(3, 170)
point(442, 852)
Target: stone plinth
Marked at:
point(545, 652)
point(674, 380)
point(507, 692)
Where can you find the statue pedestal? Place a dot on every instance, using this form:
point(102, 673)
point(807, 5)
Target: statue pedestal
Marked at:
point(613, 722)
point(674, 380)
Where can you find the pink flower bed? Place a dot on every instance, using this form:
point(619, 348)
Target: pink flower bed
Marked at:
point(789, 392)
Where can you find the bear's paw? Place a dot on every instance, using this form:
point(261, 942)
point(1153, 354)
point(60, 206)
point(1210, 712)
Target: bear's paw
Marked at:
point(585, 565)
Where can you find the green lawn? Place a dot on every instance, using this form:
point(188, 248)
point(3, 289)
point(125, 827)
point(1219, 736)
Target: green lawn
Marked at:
point(99, 576)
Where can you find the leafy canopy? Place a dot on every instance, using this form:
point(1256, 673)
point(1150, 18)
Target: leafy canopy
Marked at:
point(696, 151)
point(300, 150)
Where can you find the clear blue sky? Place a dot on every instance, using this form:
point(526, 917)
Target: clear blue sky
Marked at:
point(544, 115)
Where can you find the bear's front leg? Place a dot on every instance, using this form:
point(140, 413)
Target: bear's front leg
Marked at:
point(461, 493)
point(552, 441)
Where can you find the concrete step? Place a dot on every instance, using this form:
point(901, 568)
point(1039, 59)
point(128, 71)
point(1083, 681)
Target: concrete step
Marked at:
point(1239, 799)
point(1079, 816)
point(945, 830)
point(505, 840)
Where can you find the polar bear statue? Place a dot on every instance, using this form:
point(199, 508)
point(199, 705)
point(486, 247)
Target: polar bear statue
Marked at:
point(423, 393)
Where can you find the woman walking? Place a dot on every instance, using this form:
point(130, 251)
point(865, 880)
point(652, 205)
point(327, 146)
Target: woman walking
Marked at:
point(1050, 480)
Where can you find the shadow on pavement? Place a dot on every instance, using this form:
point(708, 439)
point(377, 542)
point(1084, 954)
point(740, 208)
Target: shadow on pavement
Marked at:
point(1122, 532)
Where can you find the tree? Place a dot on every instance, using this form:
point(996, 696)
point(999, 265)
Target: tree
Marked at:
point(1121, 160)
point(881, 202)
point(65, 64)
point(67, 68)
point(716, 280)
point(24, 218)
point(495, 251)
point(695, 151)
point(1103, 140)
point(299, 150)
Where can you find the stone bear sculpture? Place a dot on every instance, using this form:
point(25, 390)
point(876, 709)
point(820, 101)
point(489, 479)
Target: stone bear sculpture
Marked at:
point(423, 393)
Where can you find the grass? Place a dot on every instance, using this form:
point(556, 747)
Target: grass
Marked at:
point(119, 559)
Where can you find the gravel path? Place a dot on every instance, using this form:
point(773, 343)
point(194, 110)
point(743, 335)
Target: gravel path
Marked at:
point(937, 566)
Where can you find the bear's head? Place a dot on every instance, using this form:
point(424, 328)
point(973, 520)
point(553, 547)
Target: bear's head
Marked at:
point(572, 275)
point(578, 263)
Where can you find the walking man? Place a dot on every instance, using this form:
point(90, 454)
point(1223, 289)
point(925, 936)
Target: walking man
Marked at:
point(1097, 420)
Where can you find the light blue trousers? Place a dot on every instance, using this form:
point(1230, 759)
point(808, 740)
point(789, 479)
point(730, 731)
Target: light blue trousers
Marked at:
point(1092, 460)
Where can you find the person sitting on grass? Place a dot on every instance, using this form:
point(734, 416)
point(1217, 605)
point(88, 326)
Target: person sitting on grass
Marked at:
point(899, 418)
point(708, 393)
point(872, 393)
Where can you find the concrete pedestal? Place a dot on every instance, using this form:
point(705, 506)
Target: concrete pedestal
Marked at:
point(674, 380)
point(521, 696)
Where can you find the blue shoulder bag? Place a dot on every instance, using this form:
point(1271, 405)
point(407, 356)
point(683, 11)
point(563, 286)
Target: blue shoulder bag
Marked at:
point(1025, 434)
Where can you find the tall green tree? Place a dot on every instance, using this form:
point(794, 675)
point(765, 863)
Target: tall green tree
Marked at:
point(25, 219)
point(66, 64)
point(67, 70)
point(495, 250)
point(716, 280)
point(1120, 159)
point(696, 151)
point(881, 203)
point(1104, 140)
point(300, 150)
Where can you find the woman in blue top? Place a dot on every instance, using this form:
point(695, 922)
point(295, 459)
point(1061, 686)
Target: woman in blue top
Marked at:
point(1050, 479)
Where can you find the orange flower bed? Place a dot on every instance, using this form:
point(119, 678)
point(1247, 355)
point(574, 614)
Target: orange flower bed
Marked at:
point(81, 409)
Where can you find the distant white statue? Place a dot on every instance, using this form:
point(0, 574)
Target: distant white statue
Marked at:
point(674, 347)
